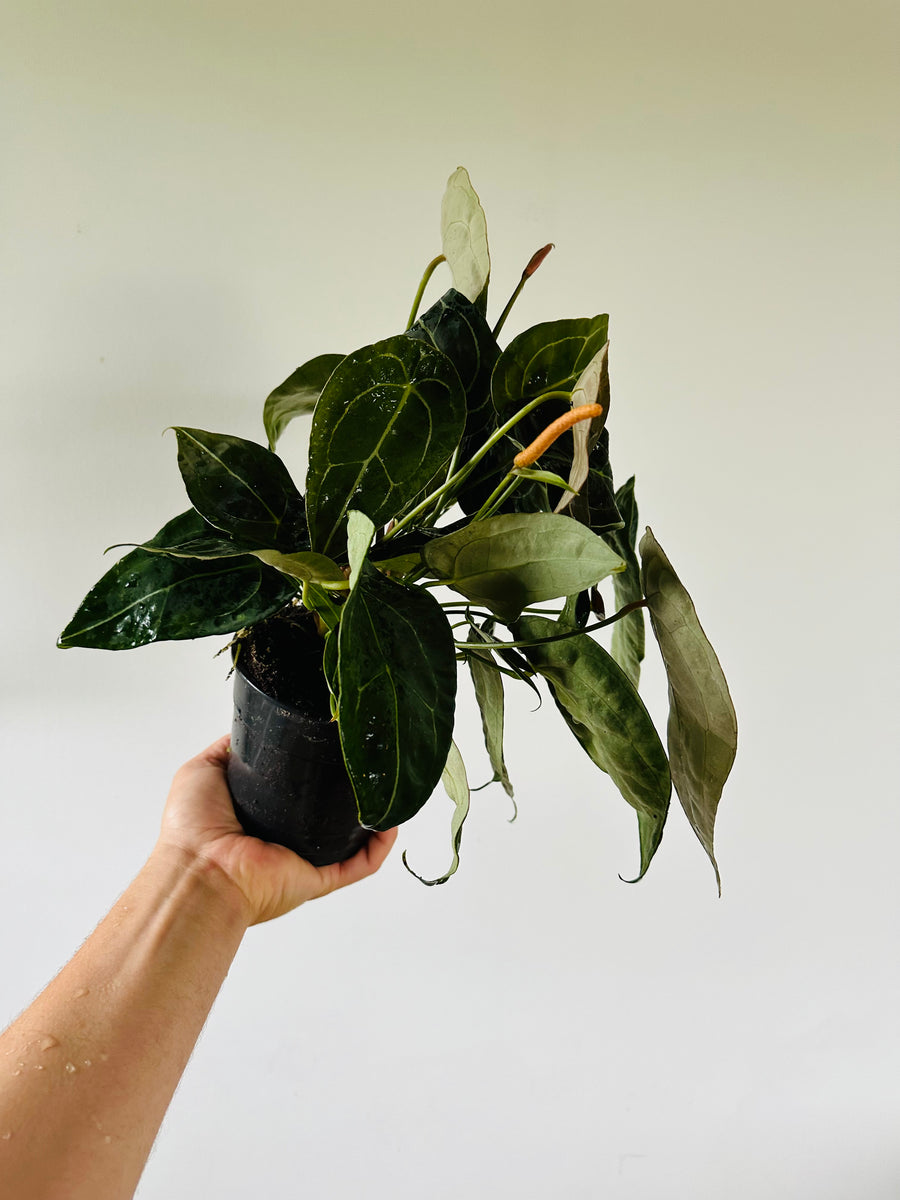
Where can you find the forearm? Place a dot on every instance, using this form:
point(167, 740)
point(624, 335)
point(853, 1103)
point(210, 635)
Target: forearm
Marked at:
point(87, 1072)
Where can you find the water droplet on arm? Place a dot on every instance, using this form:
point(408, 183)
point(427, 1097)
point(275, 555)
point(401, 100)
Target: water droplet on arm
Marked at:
point(49, 1042)
point(79, 993)
point(71, 1068)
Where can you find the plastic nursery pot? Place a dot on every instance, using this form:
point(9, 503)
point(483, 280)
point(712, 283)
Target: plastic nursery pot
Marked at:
point(288, 780)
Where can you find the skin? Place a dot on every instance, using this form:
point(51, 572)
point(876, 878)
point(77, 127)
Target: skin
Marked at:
point(88, 1070)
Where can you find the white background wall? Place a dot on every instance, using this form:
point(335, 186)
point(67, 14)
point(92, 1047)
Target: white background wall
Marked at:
point(199, 196)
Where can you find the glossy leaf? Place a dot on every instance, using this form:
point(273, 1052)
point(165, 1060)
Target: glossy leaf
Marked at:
point(608, 718)
point(628, 635)
point(297, 395)
point(189, 536)
point(592, 387)
point(305, 566)
point(488, 684)
point(149, 597)
point(241, 488)
point(456, 785)
point(464, 237)
point(512, 561)
point(396, 695)
point(456, 327)
point(548, 357)
point(389, 418)
point(702, 729)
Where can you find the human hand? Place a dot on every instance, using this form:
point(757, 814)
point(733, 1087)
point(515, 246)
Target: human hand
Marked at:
point(199, 818)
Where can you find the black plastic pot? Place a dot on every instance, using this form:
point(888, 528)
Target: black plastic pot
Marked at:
point(288, 780)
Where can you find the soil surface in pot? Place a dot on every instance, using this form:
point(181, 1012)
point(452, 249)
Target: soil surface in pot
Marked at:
point(282, 656)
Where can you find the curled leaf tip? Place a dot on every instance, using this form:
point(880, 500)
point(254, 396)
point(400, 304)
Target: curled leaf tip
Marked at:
point(421, 878)
point(536, 259)
point(554, 430)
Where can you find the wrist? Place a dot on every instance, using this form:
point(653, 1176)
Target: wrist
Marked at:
point(216, 891)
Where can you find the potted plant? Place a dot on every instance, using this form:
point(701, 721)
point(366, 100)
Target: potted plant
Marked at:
point(459, 508)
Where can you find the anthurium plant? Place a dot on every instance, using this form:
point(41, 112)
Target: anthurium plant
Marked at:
point(458, 511)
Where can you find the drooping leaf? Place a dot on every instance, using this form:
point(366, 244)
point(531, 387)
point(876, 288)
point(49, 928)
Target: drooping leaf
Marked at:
point(189, 536)
point(456, 785)
point(305, 565)
point(548, 357)
point(488, 684)
point(241, 488)
point(464, 238)
point(150, 597)
point(456, 327)
point(608, 718)
point(592, 387)
point(512, 561)
point(628, 634)
point(396, 694)
point(702, 729)
point(297, 395)
point(388, 419)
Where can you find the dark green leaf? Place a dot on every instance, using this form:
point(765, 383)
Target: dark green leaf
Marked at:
point(455, 326)
point(189, 536)
point(397, 690)
point(389, 418)
point(512, 561)
point(154, 597)
point(241, 488)
point(702, 730)
point(297, 395)
point(456, 784)
point(628, 634)
point(464, 237)
point(488, 684)
point(608, 718)
point(548, 357)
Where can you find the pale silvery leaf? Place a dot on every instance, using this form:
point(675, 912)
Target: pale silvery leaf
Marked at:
point(456, 785)
point(464, 236)
point(592, 388)
point(360, 531)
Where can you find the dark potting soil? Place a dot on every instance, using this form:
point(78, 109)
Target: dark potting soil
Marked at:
point(282, 656)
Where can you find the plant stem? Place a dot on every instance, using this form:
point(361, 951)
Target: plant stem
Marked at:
point(559, 637)
point(429, 271)
point(466, 469)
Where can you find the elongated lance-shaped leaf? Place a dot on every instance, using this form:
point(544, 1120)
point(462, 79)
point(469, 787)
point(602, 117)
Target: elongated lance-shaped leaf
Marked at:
point(387, 421)
point(512, 561)
point(241, 488)
point(456, 785)
point(396, 683)
point(592, 387)
point(456, 327)
point(702, 729)
point(464, 238)
point(548, 357)
point(149, 597)
point(297, 395)
point(488, 684)
point(628, 634)
point(189, 536)
point(608, 718)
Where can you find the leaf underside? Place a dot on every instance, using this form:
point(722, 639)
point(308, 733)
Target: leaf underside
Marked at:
point(606, 715)
point(628, 635)
point(297, 395)
point(702, 727)
point(456, 785)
